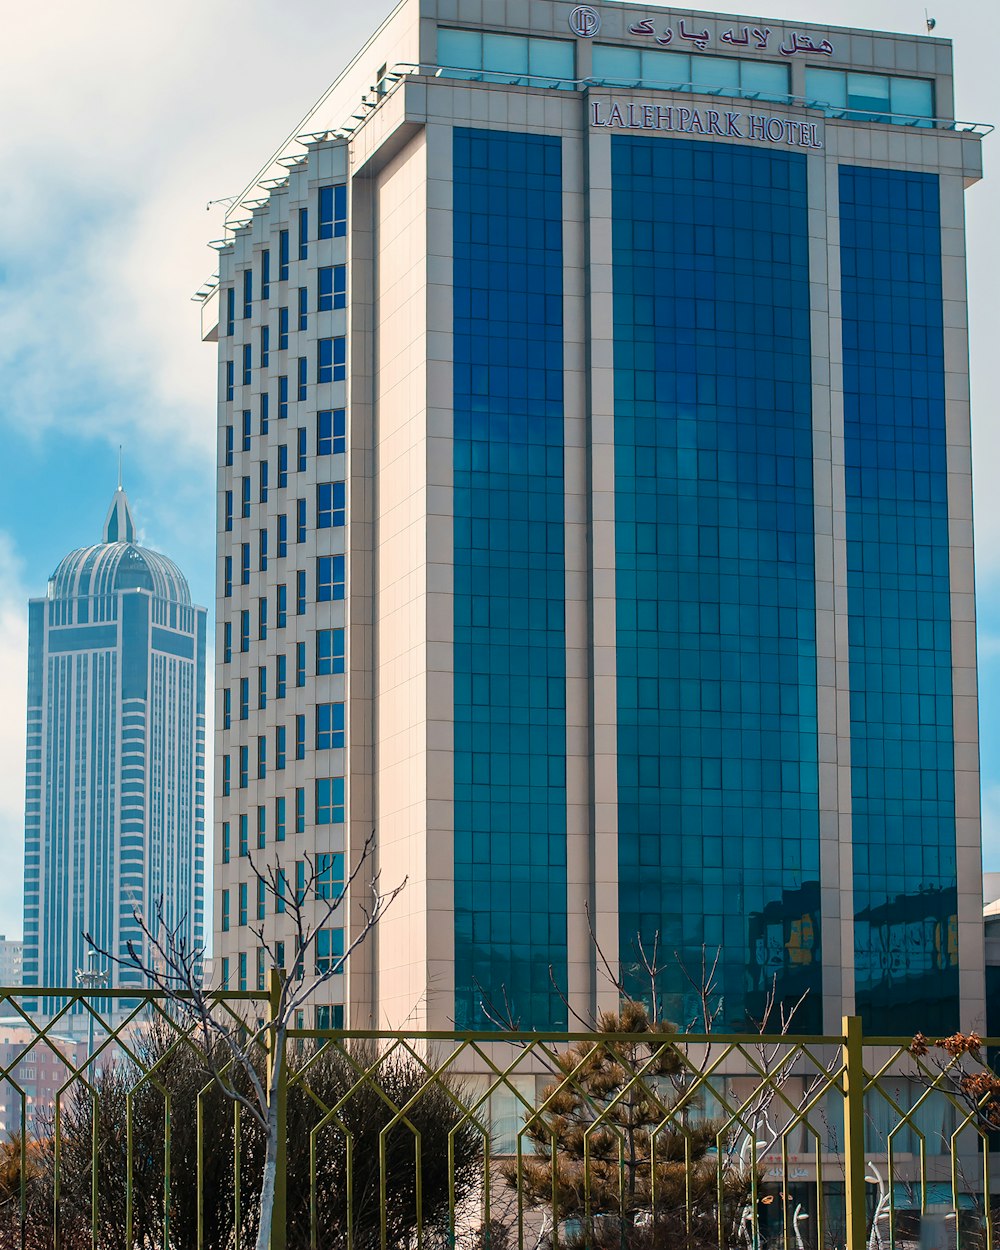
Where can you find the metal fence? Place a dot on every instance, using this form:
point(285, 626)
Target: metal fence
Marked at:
point(113, 1134)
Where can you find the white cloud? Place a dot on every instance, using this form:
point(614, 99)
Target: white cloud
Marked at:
point(13, 698)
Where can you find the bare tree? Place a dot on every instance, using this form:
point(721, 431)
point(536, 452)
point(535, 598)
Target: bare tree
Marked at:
point(232, 1046)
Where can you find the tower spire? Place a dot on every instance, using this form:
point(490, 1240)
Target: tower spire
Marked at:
point(118, 525)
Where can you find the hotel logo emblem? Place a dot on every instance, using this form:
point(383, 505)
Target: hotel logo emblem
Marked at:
point(585, 21)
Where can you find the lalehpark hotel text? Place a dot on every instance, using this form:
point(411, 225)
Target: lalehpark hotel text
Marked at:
point(595, 521)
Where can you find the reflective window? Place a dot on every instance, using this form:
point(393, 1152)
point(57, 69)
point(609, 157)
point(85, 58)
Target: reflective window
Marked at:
point(506, 58)
point(708, 75)
point(872, 97)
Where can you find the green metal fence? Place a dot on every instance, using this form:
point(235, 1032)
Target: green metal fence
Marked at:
point(113, 1134)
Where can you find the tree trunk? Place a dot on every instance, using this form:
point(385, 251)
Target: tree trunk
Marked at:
point(270, 1173)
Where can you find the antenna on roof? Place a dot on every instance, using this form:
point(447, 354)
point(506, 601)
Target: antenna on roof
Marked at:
point(119, 466)
point(931, 21)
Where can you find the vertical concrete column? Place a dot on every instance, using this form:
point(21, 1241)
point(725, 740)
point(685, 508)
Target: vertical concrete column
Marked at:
point(968, 828)
point(604, 690)
point(833, 678)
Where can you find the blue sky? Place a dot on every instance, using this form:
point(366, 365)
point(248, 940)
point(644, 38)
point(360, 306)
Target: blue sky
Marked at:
point(127, 119)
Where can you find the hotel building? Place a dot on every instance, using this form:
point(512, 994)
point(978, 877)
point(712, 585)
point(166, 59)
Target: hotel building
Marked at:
point(115, 786)
point(595, 519)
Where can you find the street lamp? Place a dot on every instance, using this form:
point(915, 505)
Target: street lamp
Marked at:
point(91, 978)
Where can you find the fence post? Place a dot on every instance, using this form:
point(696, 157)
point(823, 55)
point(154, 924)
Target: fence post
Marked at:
point(854, 1135)
point(279, 1221)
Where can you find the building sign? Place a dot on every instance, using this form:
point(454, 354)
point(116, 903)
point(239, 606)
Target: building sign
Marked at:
point(751, 127)
point(585, 21)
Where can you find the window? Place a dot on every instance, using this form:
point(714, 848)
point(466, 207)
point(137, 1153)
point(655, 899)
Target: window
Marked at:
point(225, 911)
point(247, 294)
point(261, 900)
point(300, 520)
point(282, 465)
point(225, 841)
point(301, 451)
point(262, 551)
point(329, 652)
point(265, 346)
point(300, 881)
point(283, 256)
point(280, 749)
point(300, 737)
point(303, 307)
point(708, 75)
point(329, 800)
point(244, 630)
point(281, 612)
point(244, 564)
point(246, 429)
point(330, 1017)
point(280, 676)
point(230, 379)
point(281, 884)
point(300, 593)
point(329, 726)
point(263, 481)
point(329, 875)
point(229, 510)
point(303, 375)
point(244, 836)
point(261, 828)
point(247, 364)
point(329, 578)
point(282, 534)
point(279, 818)
point(331, 505)
point(245, 498)
point(261, 688)
point(331, 428)
point(332, 212)
point(227, 642)
point(279, 955)
point(261, 758)
point(244, 767)
point(243, 902)
point(265, 412)
point(226, 783)
point(229, 446)
point(227, 573)
point(303, 233)
point(230, 310)
point(329, 950)
point(282, 329)
point(243, 970)
point(331, 291)
point(506, 58)
point(300, 809)
point(262, 618)
point(282, 398)
point(244, 698)
point(227, 707)
point(300, 664)
point(261, 967)
point(265, 274)
point(332, 360)
point(872, 97)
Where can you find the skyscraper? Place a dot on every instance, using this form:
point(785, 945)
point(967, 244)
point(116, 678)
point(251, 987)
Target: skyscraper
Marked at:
point(115, 789)
point(595, 516)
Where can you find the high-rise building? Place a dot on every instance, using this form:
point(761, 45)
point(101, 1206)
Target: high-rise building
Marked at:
point(595, 518)
point(115, 789)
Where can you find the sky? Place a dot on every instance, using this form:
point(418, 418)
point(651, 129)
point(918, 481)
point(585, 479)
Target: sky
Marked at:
point(125, 120)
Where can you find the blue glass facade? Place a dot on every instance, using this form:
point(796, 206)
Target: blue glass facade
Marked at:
point(509, 656)
point(718, 820)
point(902, 749)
